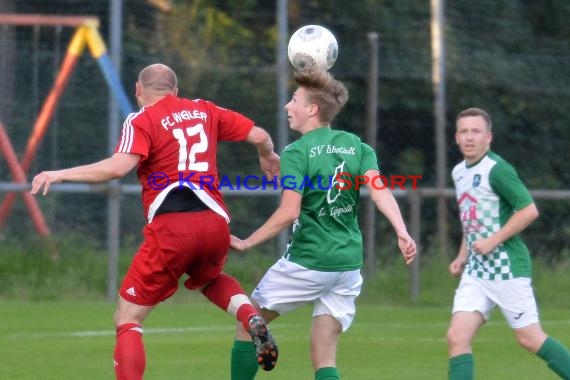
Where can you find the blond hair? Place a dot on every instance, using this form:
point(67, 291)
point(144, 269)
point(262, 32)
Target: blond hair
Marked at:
point(329, 94)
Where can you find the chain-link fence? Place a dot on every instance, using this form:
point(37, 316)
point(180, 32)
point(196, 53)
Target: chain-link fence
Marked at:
point(502, 56)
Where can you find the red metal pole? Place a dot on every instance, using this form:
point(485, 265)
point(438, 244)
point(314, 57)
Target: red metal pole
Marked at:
point(47, 20)
point(18, 174)
point(46, 114)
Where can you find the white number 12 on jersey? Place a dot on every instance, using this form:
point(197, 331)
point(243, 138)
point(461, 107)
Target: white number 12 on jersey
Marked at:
point(198, 147)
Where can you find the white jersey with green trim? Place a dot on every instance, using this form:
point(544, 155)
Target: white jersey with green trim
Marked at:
point(488, 192)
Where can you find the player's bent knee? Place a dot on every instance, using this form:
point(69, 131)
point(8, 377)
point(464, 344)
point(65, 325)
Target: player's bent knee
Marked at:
point(529, 342)
point(531, 337)
point(526, 343)
point(455, 337)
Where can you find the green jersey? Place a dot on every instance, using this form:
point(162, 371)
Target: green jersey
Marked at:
point(326, 236)
point(489, 191)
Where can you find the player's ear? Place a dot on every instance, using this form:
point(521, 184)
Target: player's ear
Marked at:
point(314, 109)
point(175, 92)
point(137, 89)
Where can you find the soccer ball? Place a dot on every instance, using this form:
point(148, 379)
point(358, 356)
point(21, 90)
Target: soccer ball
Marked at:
point(312, 45)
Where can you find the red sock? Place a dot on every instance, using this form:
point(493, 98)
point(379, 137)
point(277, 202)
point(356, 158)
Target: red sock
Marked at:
point(226, 292)
point(244, 313)
point(130, 360)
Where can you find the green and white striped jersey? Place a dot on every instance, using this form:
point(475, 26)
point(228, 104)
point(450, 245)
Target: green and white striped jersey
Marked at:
point(326, 236)
point(488, 192)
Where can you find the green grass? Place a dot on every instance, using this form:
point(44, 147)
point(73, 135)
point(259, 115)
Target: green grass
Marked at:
point(55, 324)
point(28, 273)
point(188, 338)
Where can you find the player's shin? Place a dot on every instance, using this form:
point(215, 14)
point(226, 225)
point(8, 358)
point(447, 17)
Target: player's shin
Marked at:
point(129, 356)
point(556, 355)
point(244, 364)
point(461, 367)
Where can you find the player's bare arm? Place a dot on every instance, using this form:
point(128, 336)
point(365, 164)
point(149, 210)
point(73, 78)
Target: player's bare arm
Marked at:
point(268, 159)
point(387, 205)
point(287, 212)
point(516, 224)
point(116, 166)
point(456, 266)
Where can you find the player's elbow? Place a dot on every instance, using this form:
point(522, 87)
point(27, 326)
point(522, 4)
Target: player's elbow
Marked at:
point(534, 213)
point(117, 173)
point(257, 135)
point(381, 197)
point(290, 206)
point(111, 172)
point(120, 164)
point(294, 215)
point(290, 214)
point(530, 212)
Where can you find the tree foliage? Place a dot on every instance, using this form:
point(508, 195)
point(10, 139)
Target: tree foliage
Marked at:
point(509, 57)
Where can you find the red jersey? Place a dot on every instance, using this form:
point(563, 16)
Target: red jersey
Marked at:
point(177, 139)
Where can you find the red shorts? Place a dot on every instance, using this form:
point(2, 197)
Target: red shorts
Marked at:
point(195, 243)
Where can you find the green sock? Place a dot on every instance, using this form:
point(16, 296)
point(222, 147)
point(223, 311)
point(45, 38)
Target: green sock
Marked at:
point(244, 364)
point(327, 373)
point(461, 367)
point(556, 356)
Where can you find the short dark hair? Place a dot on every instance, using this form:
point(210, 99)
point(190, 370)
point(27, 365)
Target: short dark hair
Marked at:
point(474, 111)
point(329, 94)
